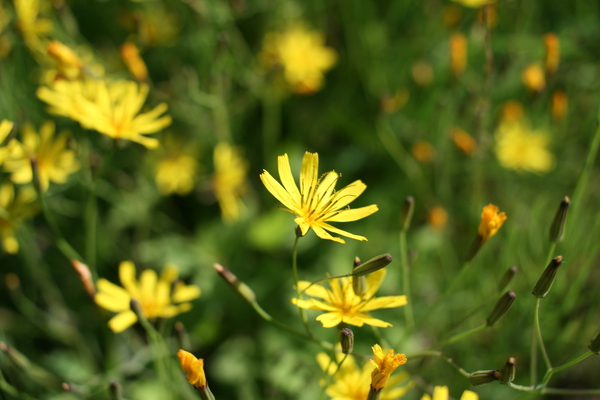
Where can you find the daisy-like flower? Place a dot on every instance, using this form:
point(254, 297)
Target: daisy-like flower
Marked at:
point(520, 148)
point(229, 180)
point(341, 304)
point(155, 297)
point(441, 393)
point(54, 161)
point(15, 208)
point(491, 221)
point(352, 382)
point(111, 108)
point(385, 365)
point(317, 202)
point(177, 169)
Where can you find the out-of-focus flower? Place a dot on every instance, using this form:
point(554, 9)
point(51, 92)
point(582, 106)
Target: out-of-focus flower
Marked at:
point(422, 73)
point(14, 209)
point(458, 53)
point(33, 26)
point(391, 104)
point(511, 111)
point(341, 304)
point(522, 149)
point(423, 151)
point(53, 160)
point(437, 218)
point(134, 62)
point(111, 108)
point(158, 298)
point(302, 55)
point(463, 141)
point(385, 365)
point(552, 57)
point(533, 78)
point(68, 63)
point(441, 393)
point(229, 180)
point(317, 202)
point(352, 382)
point(177, 169)
point(474, 3)
point(491, 221)
point(559, 105)
point(155, 24)
point(451, 15)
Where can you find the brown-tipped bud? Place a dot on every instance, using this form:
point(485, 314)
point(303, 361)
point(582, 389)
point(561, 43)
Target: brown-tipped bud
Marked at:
point(240, 287)
point(86, 277)
point(507, 278)
point(482, 377)
point(374, 264)
point(357, 262)
point(595, 344)
point(509, 371)
point(347, 340)
point(557, 229)
point(182, 336)
point(501, 307)
point(543, 285)
point(408, 208)
point(116, 392)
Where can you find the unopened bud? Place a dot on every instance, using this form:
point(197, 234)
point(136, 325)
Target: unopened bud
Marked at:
point(240, 287)
point(509, 371)
point(507, 278)
point(86, 277)
point(595, 344)
point(557, 229)
point(359, 283)
point(408, 208)
point(116, 392)
point(501, 307)
point(347, 340)
point(543, 285)
point(482, 377)
point(374, 264)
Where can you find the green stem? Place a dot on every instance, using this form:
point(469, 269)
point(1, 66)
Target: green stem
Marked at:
point(533, 357)
point(406, 286)
point(552, 371)
point(296, 285)
point(570, 391)
point(550, 253)
point(439, 354)
point(460, 336)
point(538, 330)
point(11, 390)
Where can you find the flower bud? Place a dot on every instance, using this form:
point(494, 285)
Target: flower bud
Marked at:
point(86, 277)
point(482, 377)
point(408, 208)
point(240, 287)
point(347, 340)
point(359, 283)
point(374, 264)
point(544, 283)
point(557, 229)
point(508, 372)
point(595, 344)
point(552, 56)
point(116, 391)
point(507, 278)
point(501, 307)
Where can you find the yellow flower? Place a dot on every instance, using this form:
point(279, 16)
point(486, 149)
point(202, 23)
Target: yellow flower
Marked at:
point(474, 3)
point(55, 162)
point(441, 393)
point(13, 210)
point(491, 221)
point(385, 365)
point(352, 382)
point(193, 368)
point(437, 217)
point(341, 304)
point(316, 202)
point(458, 53)
point(521, 149)
point(303, 56)
point(69, 65)
point(533, 77)
point(463, 141)
point(177, 170)
point(34, 28)
point(111, 108)
point(512, 111)
point(559, 105)
point(135, 64)
point(229, 180)
point(423, 151)
point(154, 295)
point(552, 57)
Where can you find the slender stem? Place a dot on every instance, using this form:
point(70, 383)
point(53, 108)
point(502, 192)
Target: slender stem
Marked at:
point(538, 330)
point(11, 390)
point(550, 253)
point(533, 357)
point(521, 388)
point(158, 348)
point(406, 286)
point(552, 371)
point(460, 336)
point(570, 391)
point(296, 285)
point(439, 354)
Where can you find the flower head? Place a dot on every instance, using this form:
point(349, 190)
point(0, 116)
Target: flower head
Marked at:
point(491, 221)
point(458, 53)
point(111, 108)
point(34, 27)
point(463, 141)
point(158, 298)
point(177, 169)
point(533, 77)
point(17, 207)
point(385, 365)
point(229, 180)
point(441, 393)
point(193, 368)
point(341, 304)
point(522, 149)
point(317, 202)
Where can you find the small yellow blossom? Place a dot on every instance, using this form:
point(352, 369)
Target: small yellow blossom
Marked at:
point(14, 208)
point(491, 221)
point(423, 151)
point(533, 78)
point(229, 180)
point(385, 365)
point(522, 149)
point(158, 298)
point(552, 57)
point(474, 3)
point(34, 27)
point(441, 393)
point(54, 161)
point(177, 169)
point(134, 62)
point(458, 53)
point(463, 141)
point(302, 55)
point(341, 304)
point(512, 111)
point(437, 218)
point(193, 368)
point(559, 105)
point(111, 108)
point(317, 202)
point(69, 65)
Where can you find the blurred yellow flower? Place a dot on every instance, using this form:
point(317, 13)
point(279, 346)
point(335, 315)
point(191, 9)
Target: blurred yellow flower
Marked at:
point(341, 304)
point(552, 56)
point(533, 78)
point(158, 298)
point(437, 217)
point(441, 393)
point(54, 161)
point(511, 111)
point(134, 62)
point(69, 65)
point(317, 202)
point(422, 73)
point(302, 55)
point(458, 53)
point(463, 141)
point(520, 148)
point(193, 368)
point(229, 180)
point(177, 169)
point(559, 105)
point(111, 108)
point(14, 208)
point(391, 104)
point(352, 382)
point(385, 365)
point(474, 3)
point(33, 26)
point(423, 151)
point(491, 221)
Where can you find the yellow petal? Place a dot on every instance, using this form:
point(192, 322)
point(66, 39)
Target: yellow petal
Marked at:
point(468, 395)
point(287, 179)
point(329, 320)
point(353, 214)
point(122, 321)
point(384, 302)
point(127, 277)
point(309, 173)
point(184, 292)
point(111, 296)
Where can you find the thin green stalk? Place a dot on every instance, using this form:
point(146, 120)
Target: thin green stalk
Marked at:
point(11, 390)
point(538, 330)
point(534, 357)
point(406, 286)
point(572, 392)
point(439, 354)
point(296, 285)
point(158, 348)
point(552, 371)
point(550, 253)
point(460, 336)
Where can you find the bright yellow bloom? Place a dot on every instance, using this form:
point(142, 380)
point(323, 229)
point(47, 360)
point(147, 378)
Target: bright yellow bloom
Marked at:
point(14, 208)
point(352, 382)
point(229, 180)
point(54, 161)
point(552, 57)
point(193, 368)
point(458, 53)
point(521, 149)
point(177, 170)
point(111, 108)
point(135, 64)
point(474, 3)
point(153, 295)
point(463, 141)
point(303, 56)
point(34, 27)
point(533, 77)
point(491, 221)
point(385, 365)
point(341, 304)
point(317, 202)
point(441, 393)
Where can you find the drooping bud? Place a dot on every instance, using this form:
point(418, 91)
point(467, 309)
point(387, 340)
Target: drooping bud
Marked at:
point(86, 277)
point(240, 287)
point(595, 344)
point(408, 208)
point(482, 377)
point(544, 283)
point(374, 264)
point(502, 306)
point(194, 369)
point(509, 371)
point(347, 340)
point(359, 282)
point(557, 229)
point(507, 278)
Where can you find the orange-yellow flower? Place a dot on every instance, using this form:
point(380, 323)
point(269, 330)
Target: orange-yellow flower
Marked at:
point(491, 221)
point(552, 58)
point(533, 77)
point(458, 53)
point(463, 141)
point(135, 64)
point(193, 368)
point(385, 365)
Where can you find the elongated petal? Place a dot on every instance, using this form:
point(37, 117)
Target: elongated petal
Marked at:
point(184, 292)
point(374, 281)
point(373, 321)
point(122, 321)
point(329, 320)
point(148, 281)
point(111, 296)
point(353, 214)
point(320, 232)
point(287, 179)
point(347, 194)
point(277, 190)
point(384, 302)
point(314, 291)
point(341, 232)
point(127, 277)
point(309, 174)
